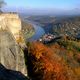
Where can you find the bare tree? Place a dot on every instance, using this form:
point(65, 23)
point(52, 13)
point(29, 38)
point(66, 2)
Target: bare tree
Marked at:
point(2, 3)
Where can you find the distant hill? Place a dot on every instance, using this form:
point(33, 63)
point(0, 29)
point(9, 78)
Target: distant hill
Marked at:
point(68, 25)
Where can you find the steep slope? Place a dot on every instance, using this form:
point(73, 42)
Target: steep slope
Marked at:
point(11, 56)
point(44, 64)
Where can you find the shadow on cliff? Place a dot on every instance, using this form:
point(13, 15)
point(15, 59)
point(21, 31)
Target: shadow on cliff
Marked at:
point(30, 66)
point(6, 74)
point(28, 62)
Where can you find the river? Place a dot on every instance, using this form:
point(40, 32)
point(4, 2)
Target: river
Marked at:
point(39, 31)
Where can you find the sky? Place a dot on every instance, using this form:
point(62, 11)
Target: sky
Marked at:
point(43, 5)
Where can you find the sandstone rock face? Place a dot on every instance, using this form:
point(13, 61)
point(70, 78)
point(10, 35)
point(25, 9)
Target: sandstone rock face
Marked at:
point(11, 55)
point(11, 22)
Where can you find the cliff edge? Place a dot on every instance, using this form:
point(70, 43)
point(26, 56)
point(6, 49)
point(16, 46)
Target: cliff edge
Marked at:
point(11, 55)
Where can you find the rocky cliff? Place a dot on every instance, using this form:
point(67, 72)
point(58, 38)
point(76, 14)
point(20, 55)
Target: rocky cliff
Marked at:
point(7, 74)
point(12, 22)
point(11, 55)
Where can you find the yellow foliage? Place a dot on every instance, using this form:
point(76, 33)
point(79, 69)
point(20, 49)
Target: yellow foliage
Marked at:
point(45, 62)
point(77, 71)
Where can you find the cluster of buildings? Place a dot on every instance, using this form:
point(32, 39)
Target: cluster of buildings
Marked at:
point(47, 38)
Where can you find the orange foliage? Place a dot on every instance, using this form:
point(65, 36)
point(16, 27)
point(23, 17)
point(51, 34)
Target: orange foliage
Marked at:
point(78, 57)
point(45, 62)
point(77, 71)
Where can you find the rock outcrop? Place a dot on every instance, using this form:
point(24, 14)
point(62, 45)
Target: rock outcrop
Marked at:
point(11, 22)
point(6, 74)
point(11, 55)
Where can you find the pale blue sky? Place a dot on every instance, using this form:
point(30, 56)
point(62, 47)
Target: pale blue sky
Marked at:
point(59, 4)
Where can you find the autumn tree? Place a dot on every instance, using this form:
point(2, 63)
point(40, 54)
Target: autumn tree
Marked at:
point(44, 64)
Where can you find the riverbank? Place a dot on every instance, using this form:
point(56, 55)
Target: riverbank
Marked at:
point(38, 31)
point(27, 30)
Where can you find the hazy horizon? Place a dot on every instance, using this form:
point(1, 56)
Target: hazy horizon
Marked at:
point(54, 7)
